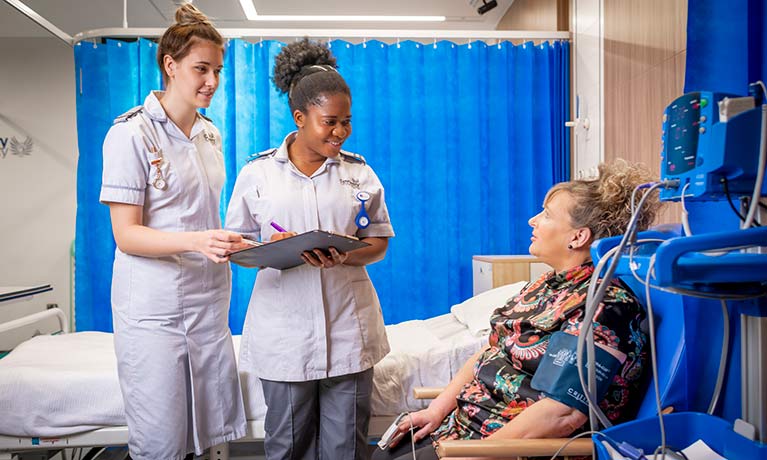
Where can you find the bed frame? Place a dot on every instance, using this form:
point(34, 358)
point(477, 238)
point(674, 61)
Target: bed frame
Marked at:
point(53, 321)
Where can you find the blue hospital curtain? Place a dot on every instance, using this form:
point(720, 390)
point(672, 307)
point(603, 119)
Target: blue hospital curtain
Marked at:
point(466, 139)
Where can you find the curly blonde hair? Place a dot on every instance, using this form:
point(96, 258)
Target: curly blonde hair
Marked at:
point(603, 205)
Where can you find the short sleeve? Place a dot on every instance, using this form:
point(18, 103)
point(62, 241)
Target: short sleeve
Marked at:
point(239, 217)
point(380, 225)
point(126, 168)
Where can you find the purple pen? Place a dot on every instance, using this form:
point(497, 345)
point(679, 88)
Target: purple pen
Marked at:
point(277, 227)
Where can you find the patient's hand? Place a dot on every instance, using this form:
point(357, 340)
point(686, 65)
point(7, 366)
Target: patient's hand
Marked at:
point(427, 420)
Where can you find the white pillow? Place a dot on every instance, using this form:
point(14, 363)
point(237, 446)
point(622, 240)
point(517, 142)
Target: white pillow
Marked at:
point(475, 311)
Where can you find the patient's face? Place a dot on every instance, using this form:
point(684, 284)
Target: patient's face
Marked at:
point(552, 230)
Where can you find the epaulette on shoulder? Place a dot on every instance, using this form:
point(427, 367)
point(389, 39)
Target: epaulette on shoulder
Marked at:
point(129, 114)
point(261, 155)
point(352, 157)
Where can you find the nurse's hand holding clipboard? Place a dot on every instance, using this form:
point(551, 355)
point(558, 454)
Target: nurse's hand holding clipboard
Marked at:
point(318, 258)
point(315, 258)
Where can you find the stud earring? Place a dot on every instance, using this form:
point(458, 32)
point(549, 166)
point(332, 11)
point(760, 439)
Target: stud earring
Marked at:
point(569, 246)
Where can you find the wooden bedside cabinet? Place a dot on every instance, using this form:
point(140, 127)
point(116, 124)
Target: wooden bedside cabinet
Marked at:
point(493, 271)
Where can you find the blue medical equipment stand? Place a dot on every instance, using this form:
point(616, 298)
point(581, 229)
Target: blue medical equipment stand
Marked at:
point(689, 263)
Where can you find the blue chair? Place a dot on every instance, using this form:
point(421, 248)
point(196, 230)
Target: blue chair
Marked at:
point(688, 333)
point(689, 340)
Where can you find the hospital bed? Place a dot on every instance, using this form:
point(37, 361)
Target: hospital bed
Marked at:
point(60, 390)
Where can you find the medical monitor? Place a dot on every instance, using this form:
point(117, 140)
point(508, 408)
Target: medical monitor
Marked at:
point(710, 140)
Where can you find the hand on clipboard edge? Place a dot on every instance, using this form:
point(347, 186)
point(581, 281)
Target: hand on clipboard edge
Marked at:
point(250, 243)
point(317, 257)
point(281, 260)
point(322, 259)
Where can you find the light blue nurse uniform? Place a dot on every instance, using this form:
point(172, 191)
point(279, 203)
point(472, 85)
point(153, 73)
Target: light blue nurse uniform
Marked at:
point(175, 356)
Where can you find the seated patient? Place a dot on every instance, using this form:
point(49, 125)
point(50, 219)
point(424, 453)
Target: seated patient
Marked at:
point(492, 396)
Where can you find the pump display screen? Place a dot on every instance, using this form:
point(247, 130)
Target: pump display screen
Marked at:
point(680, 133)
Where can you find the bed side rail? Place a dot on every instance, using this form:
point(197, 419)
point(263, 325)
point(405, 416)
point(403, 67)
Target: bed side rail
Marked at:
point(46, 322)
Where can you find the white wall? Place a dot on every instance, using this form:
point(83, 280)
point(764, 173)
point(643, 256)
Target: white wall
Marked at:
point(37, 192)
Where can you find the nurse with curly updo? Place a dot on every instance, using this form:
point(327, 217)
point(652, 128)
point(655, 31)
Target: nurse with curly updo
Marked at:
point(313, 333)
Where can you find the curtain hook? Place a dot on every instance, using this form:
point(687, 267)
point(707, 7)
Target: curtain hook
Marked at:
point(364, 42)
point(435, 42)
point(398, 45)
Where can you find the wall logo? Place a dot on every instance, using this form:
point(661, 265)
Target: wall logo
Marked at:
point(16, 147)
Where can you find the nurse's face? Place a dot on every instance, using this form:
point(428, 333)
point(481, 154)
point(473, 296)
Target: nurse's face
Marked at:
point(195, 77)
point(552, 230)
point(325, 127)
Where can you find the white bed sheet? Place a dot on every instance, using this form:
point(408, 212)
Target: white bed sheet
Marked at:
point(66, 384)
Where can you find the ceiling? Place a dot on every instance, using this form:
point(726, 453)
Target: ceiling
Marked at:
point(75, 16)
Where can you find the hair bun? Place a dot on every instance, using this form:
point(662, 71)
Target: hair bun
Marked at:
point(298, 56)
point(188, 14)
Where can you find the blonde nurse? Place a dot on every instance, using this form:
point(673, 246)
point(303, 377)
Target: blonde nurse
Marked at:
point(163, 173)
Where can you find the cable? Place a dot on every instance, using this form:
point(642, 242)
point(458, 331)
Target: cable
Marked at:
point(654, 358)
point(412, 434)
point(764, 88)
point(690, 292)
point(677, 452)
point(636, 189)
point(593, 299)
point(757, 194)
point(595, 411)
point(726, 188)
point(722, 358)
point(612, 441)
point(685, 214)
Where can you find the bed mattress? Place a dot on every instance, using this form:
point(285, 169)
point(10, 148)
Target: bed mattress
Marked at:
point(66, 384)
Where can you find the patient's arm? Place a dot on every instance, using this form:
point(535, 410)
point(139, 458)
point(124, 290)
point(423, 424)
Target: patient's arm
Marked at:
point(546, 418)
point(431, 418)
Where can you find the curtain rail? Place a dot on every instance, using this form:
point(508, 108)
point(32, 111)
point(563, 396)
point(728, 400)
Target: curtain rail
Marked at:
point(129, 32)
point(369, 34)
point(41, 21)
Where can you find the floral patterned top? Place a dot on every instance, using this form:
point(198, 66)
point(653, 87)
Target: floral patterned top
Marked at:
point(520, 334)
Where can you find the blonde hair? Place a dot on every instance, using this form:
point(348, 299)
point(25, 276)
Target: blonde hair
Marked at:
point(191, 25)
point(603, 205)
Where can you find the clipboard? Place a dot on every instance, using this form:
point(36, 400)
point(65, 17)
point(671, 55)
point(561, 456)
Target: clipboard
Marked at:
point(286, 253)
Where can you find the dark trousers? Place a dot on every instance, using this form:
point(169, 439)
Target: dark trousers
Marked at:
point(320, 419)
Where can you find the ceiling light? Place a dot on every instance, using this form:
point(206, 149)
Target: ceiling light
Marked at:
point(345, 18)
point(249, 8)
point(250, 12)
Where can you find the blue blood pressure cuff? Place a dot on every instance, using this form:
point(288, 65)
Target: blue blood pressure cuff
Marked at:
point(557, 373)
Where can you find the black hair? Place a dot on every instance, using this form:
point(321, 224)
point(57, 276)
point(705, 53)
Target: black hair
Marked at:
point(306, 71)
